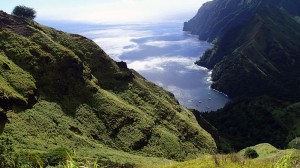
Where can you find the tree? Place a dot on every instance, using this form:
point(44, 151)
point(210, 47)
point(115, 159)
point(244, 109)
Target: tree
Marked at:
point(250, 153)
point(24, 11)
point(295, 143)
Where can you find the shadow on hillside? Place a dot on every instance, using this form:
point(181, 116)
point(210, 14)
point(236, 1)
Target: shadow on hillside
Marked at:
point(81, 93)
point(3, 121)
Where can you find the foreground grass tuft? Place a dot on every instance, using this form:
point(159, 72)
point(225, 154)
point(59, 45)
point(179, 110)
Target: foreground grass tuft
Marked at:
point(268, 157)
point(235, 161)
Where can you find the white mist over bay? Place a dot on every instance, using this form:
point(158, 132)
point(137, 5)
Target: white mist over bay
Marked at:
point(163, 54)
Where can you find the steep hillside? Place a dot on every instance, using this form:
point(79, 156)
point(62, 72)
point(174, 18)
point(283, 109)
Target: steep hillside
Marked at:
point(255, 60)
point(62, 90)
point(216, 17)
point(260, 56)
point(246, 121)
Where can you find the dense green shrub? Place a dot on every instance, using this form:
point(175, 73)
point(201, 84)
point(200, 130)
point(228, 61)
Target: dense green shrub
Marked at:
point(55, 156)
point(295, 143)
point(24, 11)
point(248, 121)
point(8, 157)
point(250, 153)
point(3, 121)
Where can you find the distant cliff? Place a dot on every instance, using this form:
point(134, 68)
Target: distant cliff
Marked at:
point(255, 60)
point(257, 57)
point(256, 47)
point(216, 17)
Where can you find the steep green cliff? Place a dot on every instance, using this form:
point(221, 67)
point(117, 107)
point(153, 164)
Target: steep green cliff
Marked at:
point(248, 121)
point(216, 17)
point(255, 60)
point(62, 90)
point(260, 56)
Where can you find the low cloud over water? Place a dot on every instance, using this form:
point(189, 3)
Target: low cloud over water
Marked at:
point(165, 55)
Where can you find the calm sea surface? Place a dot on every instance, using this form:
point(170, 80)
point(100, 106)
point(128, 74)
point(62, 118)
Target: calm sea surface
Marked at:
point(163, 54)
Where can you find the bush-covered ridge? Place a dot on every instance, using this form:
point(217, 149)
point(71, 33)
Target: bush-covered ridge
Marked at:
point(63, 90)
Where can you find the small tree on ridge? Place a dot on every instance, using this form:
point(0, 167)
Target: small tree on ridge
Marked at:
point(250, 153)
point(24, 11)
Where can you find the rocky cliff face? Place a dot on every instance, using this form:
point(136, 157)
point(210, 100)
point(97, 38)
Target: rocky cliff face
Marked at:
point(60, 89)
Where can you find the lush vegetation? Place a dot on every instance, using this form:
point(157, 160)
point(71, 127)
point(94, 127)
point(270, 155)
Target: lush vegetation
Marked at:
point(247, 121)
point(215, 18)
point(269, 157)
point(62, 90)
point(250, 153)
point(261, 58)
point(295, 143)
point(65, 103)
point(255, 61)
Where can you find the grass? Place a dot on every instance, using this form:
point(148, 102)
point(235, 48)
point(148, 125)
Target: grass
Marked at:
point(264, 150)
point(85, 101)
point(17, 87)
point(224, 161)
point(46, 127)
point(269, 157)
point(78, 99)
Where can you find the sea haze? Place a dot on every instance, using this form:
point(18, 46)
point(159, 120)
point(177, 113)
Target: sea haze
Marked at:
point(163, 54)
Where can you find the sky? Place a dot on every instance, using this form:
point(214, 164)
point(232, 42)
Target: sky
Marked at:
point(109, 11)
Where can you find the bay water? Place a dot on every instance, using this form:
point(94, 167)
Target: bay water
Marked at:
point(163, 54)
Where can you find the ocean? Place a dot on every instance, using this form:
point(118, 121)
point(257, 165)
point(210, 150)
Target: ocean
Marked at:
point(163, 54)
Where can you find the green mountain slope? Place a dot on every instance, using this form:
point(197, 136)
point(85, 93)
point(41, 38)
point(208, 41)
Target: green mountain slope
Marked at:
point(255, 60)
point(260, 56)
point(62, 90)
point(246, 121)
point(216, 17)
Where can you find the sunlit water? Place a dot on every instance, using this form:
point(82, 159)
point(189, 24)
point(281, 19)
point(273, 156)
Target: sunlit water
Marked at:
point(163, 54)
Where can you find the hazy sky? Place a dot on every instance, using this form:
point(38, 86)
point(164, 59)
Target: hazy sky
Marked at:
point(110, 11)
